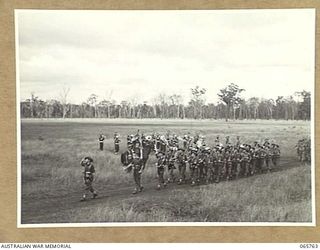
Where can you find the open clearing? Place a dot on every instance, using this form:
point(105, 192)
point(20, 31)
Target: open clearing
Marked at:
point(52, 179)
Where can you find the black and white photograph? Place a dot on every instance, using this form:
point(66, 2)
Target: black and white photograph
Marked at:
point(165, 117)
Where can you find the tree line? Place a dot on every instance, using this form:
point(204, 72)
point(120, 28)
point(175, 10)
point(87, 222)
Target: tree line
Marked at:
point(230, 106)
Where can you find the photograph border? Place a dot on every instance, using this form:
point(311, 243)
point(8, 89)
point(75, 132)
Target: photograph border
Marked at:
point(8, 134)
point(145, 224)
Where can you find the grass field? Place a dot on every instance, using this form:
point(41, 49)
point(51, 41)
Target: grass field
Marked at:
point(52, 180)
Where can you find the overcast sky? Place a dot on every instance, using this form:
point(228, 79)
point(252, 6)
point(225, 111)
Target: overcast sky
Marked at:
point(144, 53)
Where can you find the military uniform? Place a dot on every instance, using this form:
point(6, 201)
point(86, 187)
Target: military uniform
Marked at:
point(88, 177)
point(202, 165)
point(275, 154)
point(253, 162)
point(171, 167)
point(218, 166)
point(182, 165)
point(246, 162)
point(193, 165)
point(116, 143)
point(137, 171)
point(101, 139)
point(212, 160)
point(161, 163)
point(238, 162)
point(267, 158)
point(261, 159)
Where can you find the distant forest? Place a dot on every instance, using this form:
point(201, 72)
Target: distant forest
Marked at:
point(230, 106)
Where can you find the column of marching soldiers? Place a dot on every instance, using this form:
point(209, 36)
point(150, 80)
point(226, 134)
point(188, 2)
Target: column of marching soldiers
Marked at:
point(175, 155)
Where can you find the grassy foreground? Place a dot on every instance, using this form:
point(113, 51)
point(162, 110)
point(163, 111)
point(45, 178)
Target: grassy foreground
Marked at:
point(276, 197)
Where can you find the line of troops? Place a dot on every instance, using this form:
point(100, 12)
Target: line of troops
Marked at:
point(206, 164)
point(304, 150)
point(116, 140)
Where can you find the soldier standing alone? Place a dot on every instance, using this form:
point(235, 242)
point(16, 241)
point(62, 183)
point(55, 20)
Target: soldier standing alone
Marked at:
point(101, 139)
point(88, 177)
point(116, 143)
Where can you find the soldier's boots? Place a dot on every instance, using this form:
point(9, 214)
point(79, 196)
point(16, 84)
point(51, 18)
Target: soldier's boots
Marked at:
point(94, 195)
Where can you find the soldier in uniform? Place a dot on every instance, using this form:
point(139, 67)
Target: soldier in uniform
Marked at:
point(163, 144)
point(117, 141)
point(212, 159)
point(171, 165)
point(185, 142)
point(101, 139)
point(261, 159)
point(218, 166)
point(238, 162)
point(203, 163)
point(137, 171)
point(193, 165)
point(267, 157)
point(275, 154)
point(88, 176)
point(182, 165)
point(161, 163)
point(246, 161)
point(300, 150)
point(253, 162)
point(228, 165)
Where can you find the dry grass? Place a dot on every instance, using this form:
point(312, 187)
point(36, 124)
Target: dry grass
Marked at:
point(281, 197)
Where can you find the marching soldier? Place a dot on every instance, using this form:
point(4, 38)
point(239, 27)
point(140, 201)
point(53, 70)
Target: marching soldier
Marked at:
point(238, 162)
point(101, 139)
point(301, 150)
point(170, 162)
point(202, 165)
point(193, 165)
point(262, 157)
point(219, 166)
point(253, 162)
point(161, 163)
point(211, 165)
point(185, 141)
point(163, 144)
point(246, 162)
point(88, 176)
point(117, 141)
point(137, 171)
point(182, 165)
point(275, 154)
point(267, 158)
